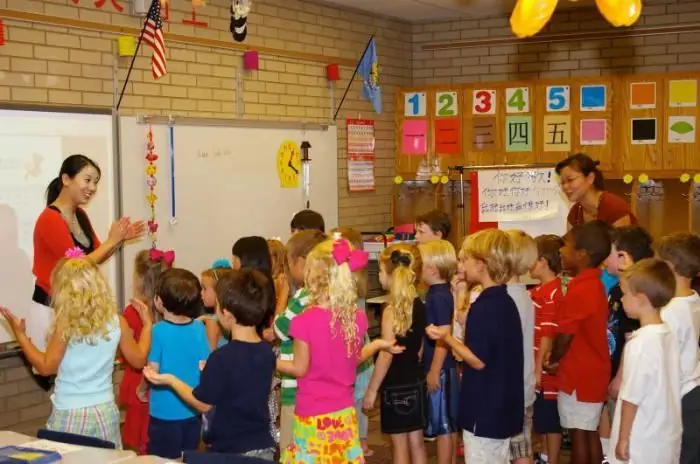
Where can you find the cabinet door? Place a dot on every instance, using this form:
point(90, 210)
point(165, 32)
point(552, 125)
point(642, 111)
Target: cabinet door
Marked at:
point(639, 118)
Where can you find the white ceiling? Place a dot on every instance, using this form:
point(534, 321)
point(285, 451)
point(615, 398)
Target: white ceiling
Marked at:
point(435, 10)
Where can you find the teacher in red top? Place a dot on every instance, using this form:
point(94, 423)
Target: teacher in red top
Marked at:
point(63, 225)
point(582, 182)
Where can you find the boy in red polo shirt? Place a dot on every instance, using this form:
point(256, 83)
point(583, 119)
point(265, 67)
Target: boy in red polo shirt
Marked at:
point(581, 346)
point(546, 299)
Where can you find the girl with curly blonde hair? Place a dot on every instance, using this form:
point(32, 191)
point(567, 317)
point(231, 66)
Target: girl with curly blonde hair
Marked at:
point(82, 348)
point(328, 348)
point(400, 378)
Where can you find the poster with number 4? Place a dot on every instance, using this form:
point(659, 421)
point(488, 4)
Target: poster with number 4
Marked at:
point(558, 98)
point(484, 101)
point(518, 100)
point(446, 104)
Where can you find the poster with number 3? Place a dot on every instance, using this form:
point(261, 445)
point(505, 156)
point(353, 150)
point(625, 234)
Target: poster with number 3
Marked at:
point(484, 102)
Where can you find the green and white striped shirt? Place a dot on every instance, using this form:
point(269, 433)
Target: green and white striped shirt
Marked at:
point(295, 306)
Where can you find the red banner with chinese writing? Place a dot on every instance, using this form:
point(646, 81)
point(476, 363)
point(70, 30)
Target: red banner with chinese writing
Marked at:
point(475, 224)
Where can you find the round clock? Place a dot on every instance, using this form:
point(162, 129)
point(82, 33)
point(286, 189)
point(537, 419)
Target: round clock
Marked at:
point(289, 164)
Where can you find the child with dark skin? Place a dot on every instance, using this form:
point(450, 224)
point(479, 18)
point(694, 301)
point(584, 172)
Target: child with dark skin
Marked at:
point(580, 354)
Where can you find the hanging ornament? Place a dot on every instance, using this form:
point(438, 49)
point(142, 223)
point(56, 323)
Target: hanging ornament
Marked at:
point(239, 19)
point(151, 182)
point(530, 16)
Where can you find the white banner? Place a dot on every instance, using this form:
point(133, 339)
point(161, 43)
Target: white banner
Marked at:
point(519, 195)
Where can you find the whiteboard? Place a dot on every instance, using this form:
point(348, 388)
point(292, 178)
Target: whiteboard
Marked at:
point(232, 192)
point(33, 144)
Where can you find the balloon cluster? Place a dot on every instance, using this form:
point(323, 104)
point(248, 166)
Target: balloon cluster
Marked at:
point(530, 16)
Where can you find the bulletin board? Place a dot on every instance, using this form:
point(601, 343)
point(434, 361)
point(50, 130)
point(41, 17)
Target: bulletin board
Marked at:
point(634, 124)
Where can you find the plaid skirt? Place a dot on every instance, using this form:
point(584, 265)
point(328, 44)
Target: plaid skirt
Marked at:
point(100, 421)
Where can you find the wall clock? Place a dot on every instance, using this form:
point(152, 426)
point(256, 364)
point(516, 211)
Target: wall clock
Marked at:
point(289, 164)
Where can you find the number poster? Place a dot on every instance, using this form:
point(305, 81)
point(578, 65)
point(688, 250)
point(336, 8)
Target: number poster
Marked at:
point(361, 145)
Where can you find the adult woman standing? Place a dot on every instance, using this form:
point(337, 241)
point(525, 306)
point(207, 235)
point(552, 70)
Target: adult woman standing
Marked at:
point(582, 182)
point(63, 225)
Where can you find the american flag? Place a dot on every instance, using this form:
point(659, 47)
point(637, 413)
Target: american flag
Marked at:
point(153, 36)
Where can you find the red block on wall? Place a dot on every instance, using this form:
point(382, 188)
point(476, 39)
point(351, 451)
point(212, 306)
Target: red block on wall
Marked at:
point(333, 72)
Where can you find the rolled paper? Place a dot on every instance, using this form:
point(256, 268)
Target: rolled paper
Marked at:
point(628, 178)
point(643, 178)
point(685, 177)
point(696, 179)
point(126, 45)
point(530, 16)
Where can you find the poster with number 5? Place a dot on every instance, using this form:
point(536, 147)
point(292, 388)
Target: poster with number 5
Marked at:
point(484, 102)
point(558, 98)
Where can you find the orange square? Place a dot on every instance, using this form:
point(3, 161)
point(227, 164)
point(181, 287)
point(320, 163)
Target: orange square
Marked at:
point(643, 95)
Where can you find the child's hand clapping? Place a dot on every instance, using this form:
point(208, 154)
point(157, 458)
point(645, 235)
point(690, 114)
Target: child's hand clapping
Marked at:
point(155, 378)
point(388, 345)
point(17, 325)
point(142, 309)
point(437, 333)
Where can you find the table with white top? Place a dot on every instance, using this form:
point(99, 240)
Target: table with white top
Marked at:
point(82, 454)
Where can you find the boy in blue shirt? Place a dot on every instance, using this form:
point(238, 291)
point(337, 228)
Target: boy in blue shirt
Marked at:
point(237, 377)
point(179, 347)
point(439, 266)
point(492, 397)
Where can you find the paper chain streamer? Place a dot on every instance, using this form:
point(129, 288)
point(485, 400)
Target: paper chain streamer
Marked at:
point(151, 181)
point(530, 16)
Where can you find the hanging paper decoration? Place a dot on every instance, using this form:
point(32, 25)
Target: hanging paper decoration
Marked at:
point(151, 182)
point(530, 16)
point(239, 19)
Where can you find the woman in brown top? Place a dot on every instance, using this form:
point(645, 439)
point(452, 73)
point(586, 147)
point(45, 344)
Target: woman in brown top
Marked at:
point(582, 182)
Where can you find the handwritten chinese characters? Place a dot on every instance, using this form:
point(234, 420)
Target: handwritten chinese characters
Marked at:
point(190, 18)
point(518, 195)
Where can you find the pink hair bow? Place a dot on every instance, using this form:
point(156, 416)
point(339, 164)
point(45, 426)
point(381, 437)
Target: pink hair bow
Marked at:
point(356, 259)
point(75, 252)
point(168, 257)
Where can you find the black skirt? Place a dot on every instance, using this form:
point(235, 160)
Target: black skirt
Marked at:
point(403, 408)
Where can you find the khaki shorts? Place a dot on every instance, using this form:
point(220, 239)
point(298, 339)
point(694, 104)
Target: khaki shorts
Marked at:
point(521, 444)
point(286, 424)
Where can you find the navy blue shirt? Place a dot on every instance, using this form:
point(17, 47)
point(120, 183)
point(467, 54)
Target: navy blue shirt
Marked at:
point(492, 401)
point(439, 307)
point(236, 380)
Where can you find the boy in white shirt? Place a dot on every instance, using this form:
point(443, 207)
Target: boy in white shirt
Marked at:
point(681, 251)
point(647, 424)
point(524, 258)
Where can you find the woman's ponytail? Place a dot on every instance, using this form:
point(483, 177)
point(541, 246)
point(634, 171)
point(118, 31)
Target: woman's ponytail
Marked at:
point(53, 190)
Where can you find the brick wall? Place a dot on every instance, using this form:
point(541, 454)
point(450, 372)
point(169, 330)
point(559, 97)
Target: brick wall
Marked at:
point(46, 64)
point(653, 54)
point(49, 64)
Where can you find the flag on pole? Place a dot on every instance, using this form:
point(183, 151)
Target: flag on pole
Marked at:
point(369, 70)
point(153, 36)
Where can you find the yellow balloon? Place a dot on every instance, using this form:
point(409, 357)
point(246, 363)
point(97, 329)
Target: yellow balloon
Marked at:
point(643, 178)
point(685, 177)
point(620, 13)
point(530, 16)
point(628, 179)
point(398, 180)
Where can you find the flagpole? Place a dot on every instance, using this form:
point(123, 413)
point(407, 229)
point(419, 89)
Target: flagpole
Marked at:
point(347, 89)
point(133, 58)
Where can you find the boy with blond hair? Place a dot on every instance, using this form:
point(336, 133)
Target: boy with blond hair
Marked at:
point(439, 266)
point(647, 423)
point(524, 257)
point(492, 395)
point(681, 251)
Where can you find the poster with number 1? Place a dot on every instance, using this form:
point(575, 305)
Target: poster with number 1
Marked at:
point(415, 104)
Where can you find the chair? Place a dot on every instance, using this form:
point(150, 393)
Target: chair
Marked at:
point(199, 457)
point(74, 439)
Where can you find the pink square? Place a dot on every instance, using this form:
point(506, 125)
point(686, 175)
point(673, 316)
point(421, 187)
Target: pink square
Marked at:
point(593, 131)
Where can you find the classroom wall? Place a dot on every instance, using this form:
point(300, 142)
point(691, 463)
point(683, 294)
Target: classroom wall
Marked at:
point(572, 58)
point(46, 64)
point(42, 64)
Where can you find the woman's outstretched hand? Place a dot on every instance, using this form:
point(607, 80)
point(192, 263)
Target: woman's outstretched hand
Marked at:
point(16, 324)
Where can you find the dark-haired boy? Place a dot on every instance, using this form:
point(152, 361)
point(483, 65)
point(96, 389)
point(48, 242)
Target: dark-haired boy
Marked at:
point(546, 298)
point(434, 225)
point(581, 346)
point(307, 219)
point(237, 377)
point(179, 347)
point(681, 251)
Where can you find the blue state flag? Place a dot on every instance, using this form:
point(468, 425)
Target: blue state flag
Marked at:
point(369, 70)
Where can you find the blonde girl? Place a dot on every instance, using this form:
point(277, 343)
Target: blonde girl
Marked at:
point(328, 339)
point(148, 266)
point(82, 348)
point(208, 279)
point(400, 377)
point(364, 370)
